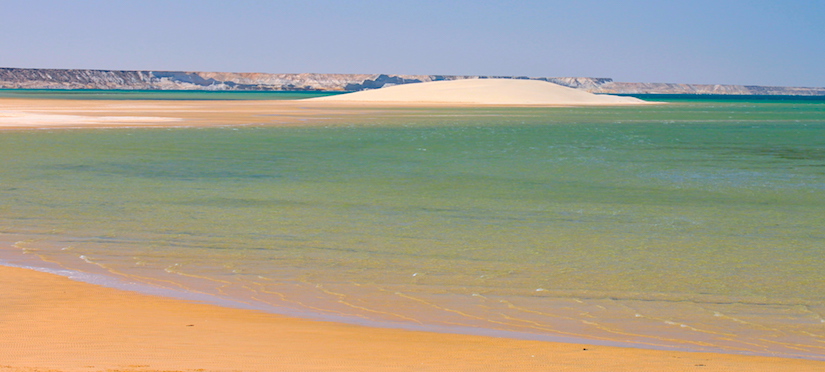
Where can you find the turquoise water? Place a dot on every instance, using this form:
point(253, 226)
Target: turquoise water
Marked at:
point(696, 225)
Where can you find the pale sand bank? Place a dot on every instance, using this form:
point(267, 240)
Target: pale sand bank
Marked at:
point(53, 113)
point(49, 322)
point(13, 118)
point(513, 92)
point(50, 113)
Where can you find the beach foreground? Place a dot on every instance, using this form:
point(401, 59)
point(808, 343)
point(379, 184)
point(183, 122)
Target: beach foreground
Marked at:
point(50, 322)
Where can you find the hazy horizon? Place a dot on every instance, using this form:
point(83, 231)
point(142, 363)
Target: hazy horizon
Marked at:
point(762, 42)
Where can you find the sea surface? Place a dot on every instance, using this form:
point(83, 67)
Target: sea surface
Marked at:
point(695, 225)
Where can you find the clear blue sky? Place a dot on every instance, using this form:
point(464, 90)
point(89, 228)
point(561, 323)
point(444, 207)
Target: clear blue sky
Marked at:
point(761, 42)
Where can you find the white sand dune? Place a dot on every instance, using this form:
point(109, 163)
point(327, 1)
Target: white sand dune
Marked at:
point(483, 92)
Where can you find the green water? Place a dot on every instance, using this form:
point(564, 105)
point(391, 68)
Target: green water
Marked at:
point(695, 225)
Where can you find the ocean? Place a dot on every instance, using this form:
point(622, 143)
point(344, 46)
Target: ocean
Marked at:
point(694, 225)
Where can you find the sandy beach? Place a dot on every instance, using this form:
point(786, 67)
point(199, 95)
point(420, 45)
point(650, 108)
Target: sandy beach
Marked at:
point(50, 322)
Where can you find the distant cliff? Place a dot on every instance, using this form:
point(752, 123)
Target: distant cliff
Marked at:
point(24, 78)
point(665, 88)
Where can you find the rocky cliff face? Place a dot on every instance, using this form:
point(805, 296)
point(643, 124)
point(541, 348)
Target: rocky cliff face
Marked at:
point(169, 80)
point(22, 78)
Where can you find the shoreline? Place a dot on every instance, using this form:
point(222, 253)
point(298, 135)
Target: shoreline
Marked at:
point(14, 258)
point(178, 294)
point(53, 322)
point(11, 256)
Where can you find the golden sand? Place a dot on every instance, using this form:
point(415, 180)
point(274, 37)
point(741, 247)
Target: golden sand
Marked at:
point(49, 322)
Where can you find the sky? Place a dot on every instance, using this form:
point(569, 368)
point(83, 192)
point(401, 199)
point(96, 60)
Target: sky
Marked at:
point(756, 42)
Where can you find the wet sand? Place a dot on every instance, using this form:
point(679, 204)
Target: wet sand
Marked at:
point(50, 322)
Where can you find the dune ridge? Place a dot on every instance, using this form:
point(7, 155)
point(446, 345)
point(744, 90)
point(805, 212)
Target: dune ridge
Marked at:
point(510, 92)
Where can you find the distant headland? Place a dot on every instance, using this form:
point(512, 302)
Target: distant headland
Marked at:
point(28, 78)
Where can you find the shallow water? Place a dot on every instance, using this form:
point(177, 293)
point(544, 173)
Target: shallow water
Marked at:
point(696, 225)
